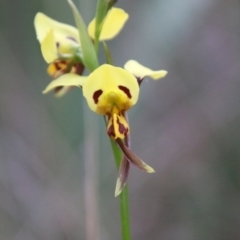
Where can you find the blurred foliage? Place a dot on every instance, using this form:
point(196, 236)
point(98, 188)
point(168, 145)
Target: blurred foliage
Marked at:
point(186, 126)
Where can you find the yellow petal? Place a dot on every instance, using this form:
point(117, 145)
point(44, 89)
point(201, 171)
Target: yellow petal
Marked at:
point(44, 23)
point(110, 86)
point(69, 79)
point(48, 47)
point(112, 25)
point(140, 71)
point(61, 91)
point(55, 38)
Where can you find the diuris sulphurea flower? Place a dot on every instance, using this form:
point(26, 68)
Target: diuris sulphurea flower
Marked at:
point(60, 47)
point(60, 42)
point(109, 90)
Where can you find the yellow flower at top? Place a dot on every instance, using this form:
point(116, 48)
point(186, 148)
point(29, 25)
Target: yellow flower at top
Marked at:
point(113, 24)
point(60, 42)
point(56, 39)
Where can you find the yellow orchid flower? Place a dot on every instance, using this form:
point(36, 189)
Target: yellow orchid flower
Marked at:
point(55, 38)
point(140, 71)
point(59, 46)
point(60, 43)
point(58, 38)
point(109, 91)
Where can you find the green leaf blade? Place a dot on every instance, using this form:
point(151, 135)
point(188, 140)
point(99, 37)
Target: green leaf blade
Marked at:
point(90, 59)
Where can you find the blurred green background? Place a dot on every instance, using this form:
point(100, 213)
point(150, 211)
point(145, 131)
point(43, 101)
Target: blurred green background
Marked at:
point(186, 126)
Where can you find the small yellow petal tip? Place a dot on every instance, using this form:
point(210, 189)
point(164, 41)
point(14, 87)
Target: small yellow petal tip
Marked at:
point(113, 24)
point(118, 190)
point(140, 71)
point(149, 169)
point(156, 75)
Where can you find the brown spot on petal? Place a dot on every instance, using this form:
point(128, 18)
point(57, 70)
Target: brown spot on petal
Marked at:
point(96, 95)
point(111, 132)
point(121, 127)
point(57, 66)
point(126, 91)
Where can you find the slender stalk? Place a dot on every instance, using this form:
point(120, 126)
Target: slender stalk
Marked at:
point(124, 207)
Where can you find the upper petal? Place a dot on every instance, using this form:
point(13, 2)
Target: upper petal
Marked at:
point(113, 24)
point(69, 79)
point(44, 23)
point(48, 47)
point(141, 71)
point(108, 86)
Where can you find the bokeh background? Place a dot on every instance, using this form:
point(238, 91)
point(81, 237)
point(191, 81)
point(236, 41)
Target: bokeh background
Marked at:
point(185, 126)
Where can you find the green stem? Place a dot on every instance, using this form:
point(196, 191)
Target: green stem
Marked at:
point(124, 208)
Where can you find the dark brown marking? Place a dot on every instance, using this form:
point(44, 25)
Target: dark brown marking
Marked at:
point(111, 132)
point(126, 91)
point(79, 68)
point(96, 95)
point(121, 127)
point(58, 89)
point(57, 66)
